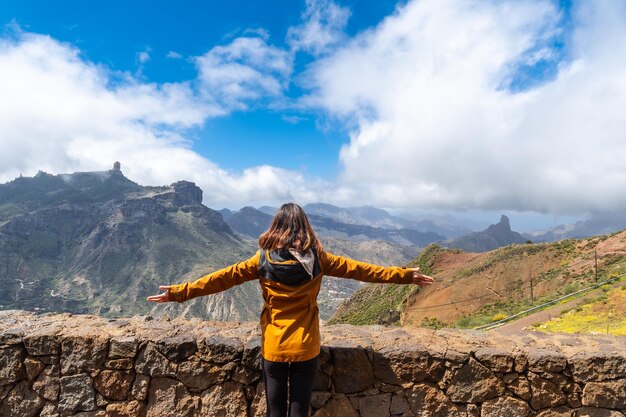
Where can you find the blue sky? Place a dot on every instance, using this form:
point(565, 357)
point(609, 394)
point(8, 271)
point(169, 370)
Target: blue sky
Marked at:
point(113, 33)
point(455, 106)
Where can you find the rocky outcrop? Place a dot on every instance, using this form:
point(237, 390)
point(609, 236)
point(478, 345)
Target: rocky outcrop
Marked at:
point(495, 236)
point(64, 365)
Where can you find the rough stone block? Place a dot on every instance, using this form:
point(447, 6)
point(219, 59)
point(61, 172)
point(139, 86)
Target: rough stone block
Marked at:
point(319, 398)
point(169, 397)
point(114, 384)
point(227, 399)
point(199, 375)
point(22, 401)
point(395, 365)
point(33, 368)
point(557, 412)
point(77, 394)
point(218, 349)
point(505, 407)
point(42, 345)
point(399, 404)
point(544, 393)
point(49, 410)
point(123, 347)
point(11, 364)
point(429, 401)
point(47, 383)
point(12, 336)
point(497, 360)
point(340, 406)
point(597, 412)
point(598, 366)
point(151, 362)
point(521, 387)
point(375, 405)
point(127, 409)
point(119, 364)
point(321, 382)
point(245, 375)
point(543, 360)
point(82, 354)
point(251, 356)
point(353, 370)
point(474, 383)
point(610, 394)
point(140, 388)
point(259, 405)
point(178, 348)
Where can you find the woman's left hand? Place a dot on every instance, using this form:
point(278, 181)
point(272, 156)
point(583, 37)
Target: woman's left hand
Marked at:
point(421, 279)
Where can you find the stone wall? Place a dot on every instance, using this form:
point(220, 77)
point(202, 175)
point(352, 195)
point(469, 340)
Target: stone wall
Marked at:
point(63, 365)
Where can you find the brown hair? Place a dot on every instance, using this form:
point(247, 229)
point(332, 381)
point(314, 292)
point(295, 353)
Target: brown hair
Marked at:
point(290, 228)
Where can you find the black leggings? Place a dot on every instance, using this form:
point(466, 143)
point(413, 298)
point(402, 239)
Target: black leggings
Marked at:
point(288, 387)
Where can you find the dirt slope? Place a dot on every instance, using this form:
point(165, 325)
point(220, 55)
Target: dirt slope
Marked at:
point(466, 282)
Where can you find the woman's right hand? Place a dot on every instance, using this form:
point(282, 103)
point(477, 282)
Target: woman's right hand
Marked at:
point(164, 297)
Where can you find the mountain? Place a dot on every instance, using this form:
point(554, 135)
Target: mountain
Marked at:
point(251, 222)
point(97, 242)
point(376, 217)
point(597, 224)
point(472, 289)
point(357, 232)
point(495, 236)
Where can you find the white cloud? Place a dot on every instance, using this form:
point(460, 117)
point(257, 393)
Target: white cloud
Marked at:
point(143, 56)
point(245, 71)
point(436, 127)
point(424, 94)
point(173, 55)
point(62, 113)
point(322, 27)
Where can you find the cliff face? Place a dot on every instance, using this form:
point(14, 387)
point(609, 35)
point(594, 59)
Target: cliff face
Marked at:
point(96, 242)
point(67, 365)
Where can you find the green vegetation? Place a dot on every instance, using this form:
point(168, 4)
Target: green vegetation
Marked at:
point(604, 314)
point(372, 304)
point(427, 258)
point(504, 253)
point(432, 323)
point(489, 312)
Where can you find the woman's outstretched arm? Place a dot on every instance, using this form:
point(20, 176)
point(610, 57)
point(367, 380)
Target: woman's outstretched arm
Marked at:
point(338, 266)
point(211, 283)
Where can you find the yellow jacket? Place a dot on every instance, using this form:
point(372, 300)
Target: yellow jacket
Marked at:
point(290, 317)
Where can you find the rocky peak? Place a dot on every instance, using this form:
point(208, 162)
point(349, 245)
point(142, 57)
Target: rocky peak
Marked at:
point(495, 236)
point(188, 193)
point(503, 226)
point(182, 193)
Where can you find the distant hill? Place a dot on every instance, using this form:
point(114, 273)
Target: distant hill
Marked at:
point(495, 236)
point(97, 242)
point(251, 222)
point(248, 221)
point(376, 217)
point(597, 224)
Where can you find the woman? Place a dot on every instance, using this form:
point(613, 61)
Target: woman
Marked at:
point(289, 266)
